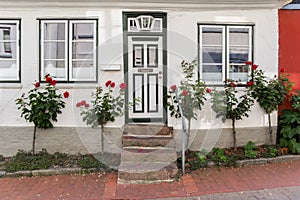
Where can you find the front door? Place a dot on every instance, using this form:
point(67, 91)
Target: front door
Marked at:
point(146, 76)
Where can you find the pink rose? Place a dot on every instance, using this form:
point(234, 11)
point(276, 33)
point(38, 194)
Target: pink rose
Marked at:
point(173, 87)
point(123, 86)
point(184, 93)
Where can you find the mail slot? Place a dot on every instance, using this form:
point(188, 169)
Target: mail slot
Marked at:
point(145, 70)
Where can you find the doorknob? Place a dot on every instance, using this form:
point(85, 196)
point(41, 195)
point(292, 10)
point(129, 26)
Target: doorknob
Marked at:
point(160, 72)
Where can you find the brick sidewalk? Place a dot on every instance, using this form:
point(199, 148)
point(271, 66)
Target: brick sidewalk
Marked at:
point(104, 186)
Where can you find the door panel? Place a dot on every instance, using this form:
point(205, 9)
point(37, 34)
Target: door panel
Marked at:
point(145, 76)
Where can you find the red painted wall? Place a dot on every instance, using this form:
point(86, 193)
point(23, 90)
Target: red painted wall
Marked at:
point(289, 47)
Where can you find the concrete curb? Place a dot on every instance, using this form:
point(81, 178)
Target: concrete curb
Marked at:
point(259, 161)
point(48, 172)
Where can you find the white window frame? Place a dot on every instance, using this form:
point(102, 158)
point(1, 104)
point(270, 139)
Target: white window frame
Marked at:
point(5, 22)
point(69, 49)
point(42, 50)
point(225, 49)
point(86, 40)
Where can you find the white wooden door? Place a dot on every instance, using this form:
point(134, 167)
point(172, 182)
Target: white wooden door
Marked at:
point(145, 77)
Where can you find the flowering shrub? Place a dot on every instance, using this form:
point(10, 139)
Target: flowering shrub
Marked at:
point(104, 107)
point(269, 93)
point(41, 106)
point(191, 96)
point(227, 105)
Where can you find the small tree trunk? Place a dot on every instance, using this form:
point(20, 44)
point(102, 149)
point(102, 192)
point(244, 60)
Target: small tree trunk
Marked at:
point(188, 134)
point(33, 140)
point(234, 135)
point(270, 128)
point(102, 139)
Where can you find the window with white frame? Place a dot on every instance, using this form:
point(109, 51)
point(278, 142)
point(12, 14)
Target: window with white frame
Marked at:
point(223, 51)
point(9, 50)
point(68, 49)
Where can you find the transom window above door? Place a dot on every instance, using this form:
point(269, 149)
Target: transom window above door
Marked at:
point(223, 51)
point(68, 49)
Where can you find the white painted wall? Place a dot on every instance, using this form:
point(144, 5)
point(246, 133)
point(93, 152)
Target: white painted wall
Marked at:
point(182, 44)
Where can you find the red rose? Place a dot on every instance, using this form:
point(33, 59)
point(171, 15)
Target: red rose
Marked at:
point(173, 87)
point(46, 76)
point(48, 79)
point(83, 102)
point(232, 84)
point(248, 63)
point(208, 90)
point(184, 93)
point(66, 94)
point(87, 105)
point(112, 84)
point(250, 83)
point(37, 84)
point(254, 67)
point(53, 82)
point(123, 86)
point(282, 70)
point(78, 104)
point(108, 83)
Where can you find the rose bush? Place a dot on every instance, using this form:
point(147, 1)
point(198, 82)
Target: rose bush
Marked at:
point(191, 96)
point(269, 93)
point(104, 108)
point(42, 105)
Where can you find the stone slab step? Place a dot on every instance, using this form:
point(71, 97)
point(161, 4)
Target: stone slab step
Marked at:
point(142, 154)
point(147, 140)
point(147, 129)
point(146, 172)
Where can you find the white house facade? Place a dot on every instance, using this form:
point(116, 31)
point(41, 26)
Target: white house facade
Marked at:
point(82, 44)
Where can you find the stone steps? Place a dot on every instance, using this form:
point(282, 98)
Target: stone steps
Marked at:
point(148, 154)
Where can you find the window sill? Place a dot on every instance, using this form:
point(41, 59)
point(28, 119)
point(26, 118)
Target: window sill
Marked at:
point(73, 85)
point(11, 86)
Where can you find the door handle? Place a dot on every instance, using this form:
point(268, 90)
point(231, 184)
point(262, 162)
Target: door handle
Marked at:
point(160, 72)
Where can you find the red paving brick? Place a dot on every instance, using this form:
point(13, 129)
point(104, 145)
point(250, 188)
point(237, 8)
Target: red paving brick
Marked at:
point(104, 186)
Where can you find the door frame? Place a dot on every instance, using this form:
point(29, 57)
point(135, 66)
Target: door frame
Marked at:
point(126, 34)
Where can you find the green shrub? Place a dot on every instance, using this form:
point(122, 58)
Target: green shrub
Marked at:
point(249, 150)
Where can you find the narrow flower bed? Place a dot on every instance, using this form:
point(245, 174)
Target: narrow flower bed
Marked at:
point(228, 157)
point(24, 160)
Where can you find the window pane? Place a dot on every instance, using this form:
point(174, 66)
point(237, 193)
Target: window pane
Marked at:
point(7, 64)
point(238, 55)
point(83, 70)
point(8, 69)
point(56, 69)
point(54, 50)
point(83, 31)
point(212, 73)
point(211, 36)
point(239, 36)
point(212, 54)
point(238, 72)
point(8, 50)
point(54, 31)
point(82, 50)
